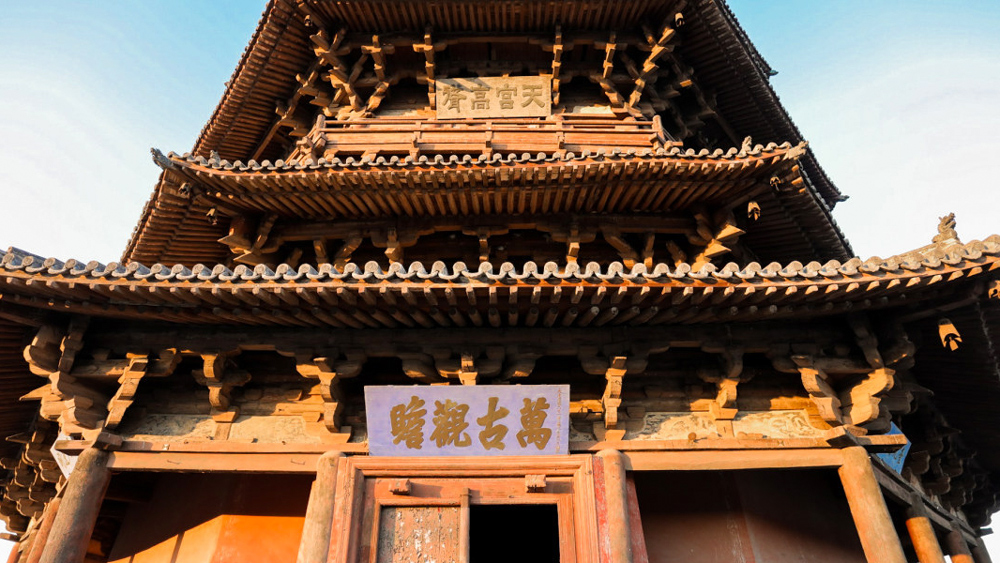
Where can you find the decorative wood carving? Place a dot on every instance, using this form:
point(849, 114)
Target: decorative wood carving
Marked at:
point(221, 376)
point(817, 384)
point(726, 378)
point(330, 370)
point(128, 387)
point(74, 404)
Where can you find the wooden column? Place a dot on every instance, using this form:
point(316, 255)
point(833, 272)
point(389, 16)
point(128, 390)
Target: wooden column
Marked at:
point(616, 497)
point(15, 554)
point(74, 523)
point(315, 544)
point(922, 534)
point(42, 535)
point(979, 552)
point(871, 515)
point(958, 548)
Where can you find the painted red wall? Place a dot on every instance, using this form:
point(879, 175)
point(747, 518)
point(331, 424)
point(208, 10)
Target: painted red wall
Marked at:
point(215, 518)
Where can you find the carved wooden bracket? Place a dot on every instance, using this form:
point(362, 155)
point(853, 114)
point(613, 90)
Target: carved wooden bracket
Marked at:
point(73, 404)
point(628, 254)
point(860, 401)
point(251, 242)
point(469, 366)
point(613, 367)
point(330, 370)
point(419, 366)
point(128, 387)
point(715, 235)
point(726, 379)
point(856, 403)
point(220, 379)
point(612, 397)
point(817, 384)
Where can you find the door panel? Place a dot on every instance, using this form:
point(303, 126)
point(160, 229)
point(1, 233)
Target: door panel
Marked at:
point(418, 534)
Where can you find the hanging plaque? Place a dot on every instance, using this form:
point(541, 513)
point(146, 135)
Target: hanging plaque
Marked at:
point(452, 420)
point(514, 96)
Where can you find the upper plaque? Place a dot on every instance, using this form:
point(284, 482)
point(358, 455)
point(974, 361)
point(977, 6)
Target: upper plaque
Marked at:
point(514, 96)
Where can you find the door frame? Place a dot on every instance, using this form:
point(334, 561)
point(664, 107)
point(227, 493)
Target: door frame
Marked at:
point(353, 472)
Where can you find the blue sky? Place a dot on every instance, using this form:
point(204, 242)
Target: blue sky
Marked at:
point(899, 100)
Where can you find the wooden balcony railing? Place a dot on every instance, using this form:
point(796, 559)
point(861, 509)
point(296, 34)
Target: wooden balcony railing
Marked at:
point(394, 136)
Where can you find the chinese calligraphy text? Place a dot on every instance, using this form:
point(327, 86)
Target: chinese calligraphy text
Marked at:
point(467, 420)
point(513, 96)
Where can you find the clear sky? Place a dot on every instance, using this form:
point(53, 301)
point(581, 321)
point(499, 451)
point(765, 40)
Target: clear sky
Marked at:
point(898, 98)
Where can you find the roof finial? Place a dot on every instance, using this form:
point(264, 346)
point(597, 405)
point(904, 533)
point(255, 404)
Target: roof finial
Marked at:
point(946, 231)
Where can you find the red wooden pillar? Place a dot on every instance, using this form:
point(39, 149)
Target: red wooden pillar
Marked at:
point(958, 548)
point(871, 515)
point(980, 554)
point(922, 534)
point(315, 544)
point(616, 499)
point(74, 522)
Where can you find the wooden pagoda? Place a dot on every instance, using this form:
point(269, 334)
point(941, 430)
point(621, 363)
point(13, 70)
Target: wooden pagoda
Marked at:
point(511, 280)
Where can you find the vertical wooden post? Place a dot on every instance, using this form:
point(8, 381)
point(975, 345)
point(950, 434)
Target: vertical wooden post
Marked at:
point(616, 497)
point(464, 545)
point(42, 535)
point(871, 515)
point(922, 534)
point(979, 552)
point(958, 548)
point(74, 523)
point(318, 526)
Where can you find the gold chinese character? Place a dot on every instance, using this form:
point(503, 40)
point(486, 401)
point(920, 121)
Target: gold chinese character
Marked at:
point(450, 425)
point(532, 94)
point(407, 423)
point(479, 100)
point(506, 95)
point(532, 418)
point(493, 434)
point(453, 97)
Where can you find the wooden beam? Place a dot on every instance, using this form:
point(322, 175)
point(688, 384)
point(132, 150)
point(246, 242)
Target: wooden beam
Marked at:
point(718, 460)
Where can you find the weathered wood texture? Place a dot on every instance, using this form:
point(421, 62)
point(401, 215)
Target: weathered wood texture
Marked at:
point(871, 515)
point(418, 534)
point(44, 529)
point(316, 529)
point(74, 522)
point(616, 500)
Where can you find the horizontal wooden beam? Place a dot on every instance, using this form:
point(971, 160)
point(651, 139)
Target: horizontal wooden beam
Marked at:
point(733, 459)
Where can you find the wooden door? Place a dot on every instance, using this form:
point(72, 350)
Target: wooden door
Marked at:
point(462, 510)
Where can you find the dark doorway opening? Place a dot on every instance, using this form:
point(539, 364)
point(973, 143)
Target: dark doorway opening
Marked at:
point(522, 533)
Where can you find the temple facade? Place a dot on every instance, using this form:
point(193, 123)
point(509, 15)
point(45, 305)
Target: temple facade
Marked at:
point(521, 280)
